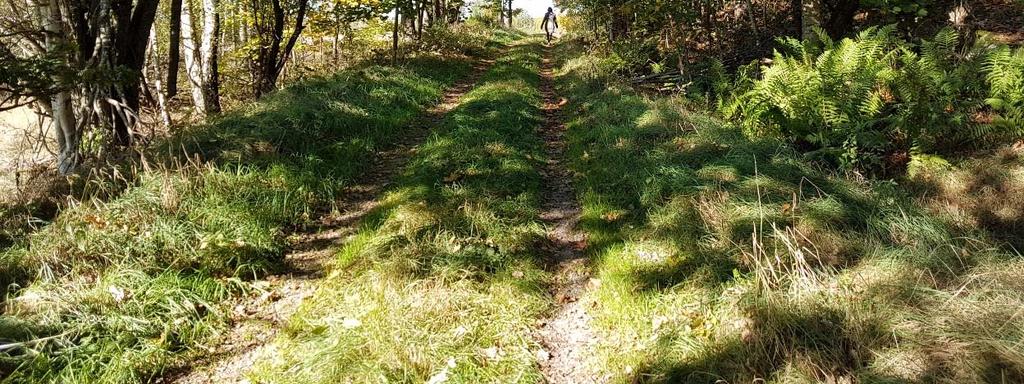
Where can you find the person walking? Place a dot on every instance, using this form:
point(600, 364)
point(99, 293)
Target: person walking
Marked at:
point(550, 24)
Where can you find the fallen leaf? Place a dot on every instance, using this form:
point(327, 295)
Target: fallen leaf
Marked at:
point(442, 376)
point(117, 293)
point(491, 353)
point(95, 221)
point(439, 378)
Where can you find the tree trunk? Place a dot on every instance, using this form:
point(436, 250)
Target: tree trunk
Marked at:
point(270, 56)
point(243, 32)
point(509, 13)
point(811, 15)
point(174, 50)
point(60, 105)
point(394, 35)
point(193, 59)
point(337, 35)
point(840, 17)
point(209, 50)
point(161, 100)
point(420, 9)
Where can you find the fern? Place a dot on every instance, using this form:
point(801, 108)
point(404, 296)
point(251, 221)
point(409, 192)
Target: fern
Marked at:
point(862, 97)
point(1005, 76)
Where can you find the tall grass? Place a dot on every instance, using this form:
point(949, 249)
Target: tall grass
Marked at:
point(443, 281)
point(118, 291)
point(726, 258)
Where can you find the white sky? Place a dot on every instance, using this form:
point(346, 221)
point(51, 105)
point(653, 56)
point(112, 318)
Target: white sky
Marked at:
point(535, 8)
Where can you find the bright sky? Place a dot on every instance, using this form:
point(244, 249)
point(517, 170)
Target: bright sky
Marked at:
point(535, 8)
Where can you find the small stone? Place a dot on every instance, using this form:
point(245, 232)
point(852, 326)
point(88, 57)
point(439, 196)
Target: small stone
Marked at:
point(543, 355)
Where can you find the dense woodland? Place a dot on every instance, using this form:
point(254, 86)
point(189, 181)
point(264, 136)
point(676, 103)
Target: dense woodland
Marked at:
point(676, 191)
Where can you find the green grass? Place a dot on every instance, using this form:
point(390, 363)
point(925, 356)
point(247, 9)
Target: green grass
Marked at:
point(118, 291)
point(726, 257)
point(444, 279)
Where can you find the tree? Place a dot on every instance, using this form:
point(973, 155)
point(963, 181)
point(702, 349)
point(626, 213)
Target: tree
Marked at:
point(208, 52)
point(201, 60)
point(811, 14)
point(125, 25)
point(269, 18)
point(174, 48)
point(59, 105)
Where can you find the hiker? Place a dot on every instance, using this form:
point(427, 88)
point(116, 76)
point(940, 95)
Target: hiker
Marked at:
point(550, 23)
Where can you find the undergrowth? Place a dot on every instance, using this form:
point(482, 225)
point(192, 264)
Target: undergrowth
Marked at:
point(868, 103)
point(724, 258)
point(118, 291)
point(443, 282)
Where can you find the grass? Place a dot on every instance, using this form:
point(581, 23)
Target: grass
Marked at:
point(118, 291)
point(443, 281)
point(717, 256)
point(723, 257)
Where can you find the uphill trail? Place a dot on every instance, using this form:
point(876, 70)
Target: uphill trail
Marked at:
point(259, 317)
point(566, 336)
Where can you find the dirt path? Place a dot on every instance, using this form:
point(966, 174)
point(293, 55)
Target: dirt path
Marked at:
point(258, 318)
point(566, 336)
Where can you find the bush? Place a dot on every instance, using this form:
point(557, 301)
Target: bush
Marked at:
point(1005, 68)
point(866, 103)
point(459, 39)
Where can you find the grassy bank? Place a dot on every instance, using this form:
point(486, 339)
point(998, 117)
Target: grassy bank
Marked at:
point(722, 257)
point(117, 291)
point(443, 280)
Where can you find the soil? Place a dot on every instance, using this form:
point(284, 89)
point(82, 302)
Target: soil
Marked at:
point(566, 337)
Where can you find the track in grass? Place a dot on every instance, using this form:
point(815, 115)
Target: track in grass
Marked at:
point(566, 336)
point(260, 319)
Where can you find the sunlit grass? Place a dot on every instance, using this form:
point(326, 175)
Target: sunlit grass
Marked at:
point(724, 258)
point(449, 283)
point(119, 291)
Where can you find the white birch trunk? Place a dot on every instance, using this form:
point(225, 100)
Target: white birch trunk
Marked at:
point(193, 66)
point(60, 104)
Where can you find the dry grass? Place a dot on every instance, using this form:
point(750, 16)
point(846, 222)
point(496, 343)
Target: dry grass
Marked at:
point(981, 194)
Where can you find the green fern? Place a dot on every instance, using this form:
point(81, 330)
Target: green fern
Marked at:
point(1005, 75)
point(859, 98)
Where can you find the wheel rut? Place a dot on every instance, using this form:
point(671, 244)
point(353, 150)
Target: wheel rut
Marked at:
point(566, 336)
point(259, 317)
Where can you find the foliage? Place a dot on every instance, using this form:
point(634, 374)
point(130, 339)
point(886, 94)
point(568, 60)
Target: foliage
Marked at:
point(917, 8)
point(459, 39)
point(1005, 78)
point(861, 100)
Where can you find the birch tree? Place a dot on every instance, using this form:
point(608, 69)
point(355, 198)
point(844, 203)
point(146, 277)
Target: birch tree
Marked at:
point(60, 104)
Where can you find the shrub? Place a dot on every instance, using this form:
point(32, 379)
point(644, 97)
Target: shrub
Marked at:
point(460, 39)
point(1005, 76)
point(866, 103)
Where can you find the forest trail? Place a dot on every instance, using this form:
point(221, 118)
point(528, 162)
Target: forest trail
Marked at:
point(262, 315)
point(566, 336)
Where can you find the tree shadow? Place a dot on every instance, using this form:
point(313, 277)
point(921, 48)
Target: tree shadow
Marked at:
point(820, 340)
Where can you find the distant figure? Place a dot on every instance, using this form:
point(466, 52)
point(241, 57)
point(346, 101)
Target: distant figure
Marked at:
point(550, 23)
